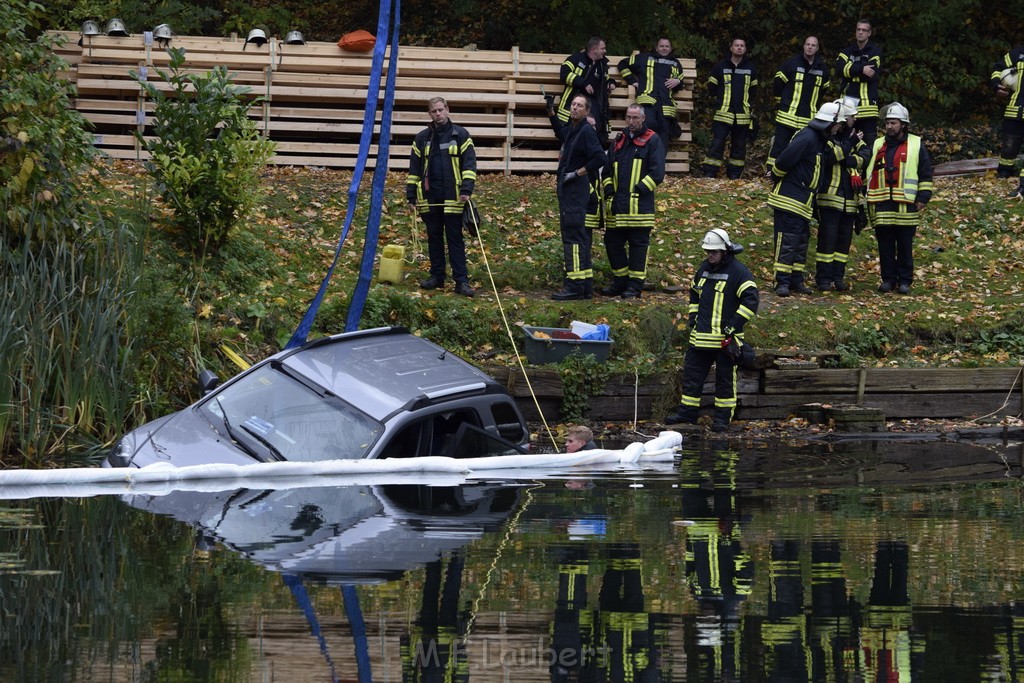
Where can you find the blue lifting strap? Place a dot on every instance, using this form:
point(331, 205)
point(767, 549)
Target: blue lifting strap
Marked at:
point(358, 300)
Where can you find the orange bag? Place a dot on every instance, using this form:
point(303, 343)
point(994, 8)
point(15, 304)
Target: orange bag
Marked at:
point(357, 41)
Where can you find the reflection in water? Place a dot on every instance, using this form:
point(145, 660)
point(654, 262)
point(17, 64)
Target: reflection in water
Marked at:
point(779, 577)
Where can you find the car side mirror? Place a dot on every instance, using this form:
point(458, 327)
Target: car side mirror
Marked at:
point(208, 381)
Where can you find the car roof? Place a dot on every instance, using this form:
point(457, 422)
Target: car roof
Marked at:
point(384, 369)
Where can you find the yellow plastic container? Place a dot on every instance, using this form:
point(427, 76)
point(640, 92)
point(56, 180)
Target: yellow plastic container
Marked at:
point(391, 261)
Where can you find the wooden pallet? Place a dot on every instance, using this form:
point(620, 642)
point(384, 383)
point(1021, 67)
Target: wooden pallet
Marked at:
point(313, 97)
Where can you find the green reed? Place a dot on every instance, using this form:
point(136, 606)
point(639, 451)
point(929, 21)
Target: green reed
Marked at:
point(66, 306)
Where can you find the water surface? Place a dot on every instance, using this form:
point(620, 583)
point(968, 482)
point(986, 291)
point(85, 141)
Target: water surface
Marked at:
point(859, 561)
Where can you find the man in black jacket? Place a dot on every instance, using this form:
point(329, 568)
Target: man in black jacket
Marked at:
point(733, 84)
point(579, 165)
point(586, 73)
point(859, 66)
point(798, 85)
point(636, 165)
point(723, 298)
point(657, 76)
point(797, 173)
point(442, 174)
point(1008, 83)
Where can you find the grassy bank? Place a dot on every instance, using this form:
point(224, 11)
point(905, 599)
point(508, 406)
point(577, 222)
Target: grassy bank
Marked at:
point(964, 311)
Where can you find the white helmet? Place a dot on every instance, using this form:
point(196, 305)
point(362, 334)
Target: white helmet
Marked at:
point(294, 38)
point(828, 113)
point(897, 111)
point(1008, 78)
point(717, 240)
point(849, 105)
point(90, 28)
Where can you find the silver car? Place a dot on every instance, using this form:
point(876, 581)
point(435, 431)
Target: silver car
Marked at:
point(380, 393)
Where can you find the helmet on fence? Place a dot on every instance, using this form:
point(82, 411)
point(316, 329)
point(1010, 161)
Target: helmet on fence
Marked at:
point(294, 38)
point(116, 27)
point(896, 111)
point(163, 32)
point(90, 28)
point(257, 37)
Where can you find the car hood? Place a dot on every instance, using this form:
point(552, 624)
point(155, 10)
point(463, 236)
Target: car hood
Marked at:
point(182, 439)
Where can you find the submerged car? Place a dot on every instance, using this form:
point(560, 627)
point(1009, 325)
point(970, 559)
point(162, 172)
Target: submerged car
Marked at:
point(379, 393)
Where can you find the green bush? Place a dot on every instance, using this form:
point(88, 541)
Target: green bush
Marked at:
point(207, 154)
point(44, 145)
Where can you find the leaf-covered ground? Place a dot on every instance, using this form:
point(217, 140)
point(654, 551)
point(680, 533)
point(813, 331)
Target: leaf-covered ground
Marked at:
point(965, 307)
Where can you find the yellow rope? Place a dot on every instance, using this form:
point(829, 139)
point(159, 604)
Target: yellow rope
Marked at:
point(511, 337)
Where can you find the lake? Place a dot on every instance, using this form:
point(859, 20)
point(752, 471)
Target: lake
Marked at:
point(885, 560)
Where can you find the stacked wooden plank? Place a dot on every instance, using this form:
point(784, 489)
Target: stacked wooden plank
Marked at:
point(314, 96)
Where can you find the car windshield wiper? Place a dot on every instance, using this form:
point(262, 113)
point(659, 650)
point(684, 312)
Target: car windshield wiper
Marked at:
point(263, 440)
point(232, 434)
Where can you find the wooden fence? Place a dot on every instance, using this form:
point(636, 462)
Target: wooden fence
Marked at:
point(314, 97)
point(777, 393)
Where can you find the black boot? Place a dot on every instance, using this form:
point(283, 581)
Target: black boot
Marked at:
point(588, 288)
point(682, 415)
point(634, 288)
point(572, 290)
point(617, 287)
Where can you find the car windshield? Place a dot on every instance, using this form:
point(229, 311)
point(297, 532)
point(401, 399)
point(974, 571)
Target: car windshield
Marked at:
point(274, 413)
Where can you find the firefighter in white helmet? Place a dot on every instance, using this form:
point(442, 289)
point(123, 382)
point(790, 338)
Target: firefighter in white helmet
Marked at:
point(723, 297)
point(899, 185)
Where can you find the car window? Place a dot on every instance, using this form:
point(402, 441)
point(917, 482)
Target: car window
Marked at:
point(506, 419)
point(288, 418)
point(473, 442)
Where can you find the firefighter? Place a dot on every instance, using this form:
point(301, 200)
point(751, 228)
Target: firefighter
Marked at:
point(798, 85)
point(657, 76)
point(899, 186)
point(442, 175)
point(723, 298)
point(733, 84)
point(586, 73)
point(797, 173)
point(636, 165)
point(1007, 80)
point(859, 65)
point(579, 163)
point(839, 191)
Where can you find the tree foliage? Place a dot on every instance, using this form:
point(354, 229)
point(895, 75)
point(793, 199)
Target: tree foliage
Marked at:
point(44, 145)
point(206, 155)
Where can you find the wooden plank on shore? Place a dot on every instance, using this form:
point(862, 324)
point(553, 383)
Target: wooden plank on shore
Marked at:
point(891, 380)
point(894, 406)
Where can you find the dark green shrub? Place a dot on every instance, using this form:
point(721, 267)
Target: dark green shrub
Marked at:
point(207, 154)
point(44, 146)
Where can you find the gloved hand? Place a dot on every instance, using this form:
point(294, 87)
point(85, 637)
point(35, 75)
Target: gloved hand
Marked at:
point(856, 182)
point(732, 348)
point(549, 100)
point(568, 176)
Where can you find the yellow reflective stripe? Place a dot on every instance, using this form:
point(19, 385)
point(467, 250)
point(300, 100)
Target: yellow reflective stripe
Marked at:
point(745, 312)
point(648, 182)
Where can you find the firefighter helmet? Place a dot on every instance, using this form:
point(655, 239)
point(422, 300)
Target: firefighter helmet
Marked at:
point(257, 37)
point(897, 111)
point(1008, 78)
point(163, 32)
point(116, 27)
point(90, 28)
